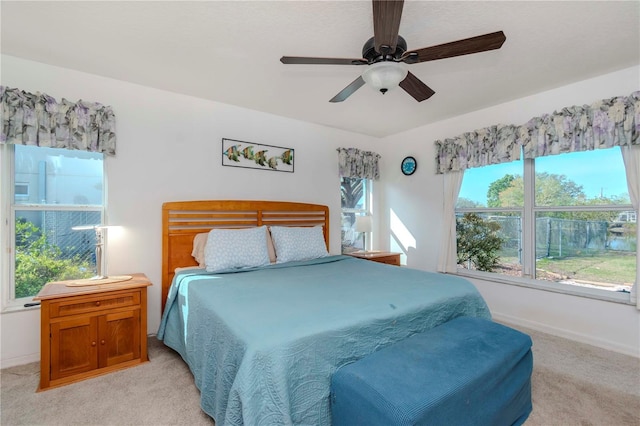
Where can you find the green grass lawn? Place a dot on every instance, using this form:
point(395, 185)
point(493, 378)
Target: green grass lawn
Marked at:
point(615, 268)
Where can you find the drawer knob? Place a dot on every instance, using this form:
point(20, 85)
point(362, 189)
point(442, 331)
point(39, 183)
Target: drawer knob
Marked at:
point(102, 342)
point(98, 303)
point(93, 343)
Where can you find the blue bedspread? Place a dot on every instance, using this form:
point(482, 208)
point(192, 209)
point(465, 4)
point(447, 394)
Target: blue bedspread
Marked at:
point(262, 344)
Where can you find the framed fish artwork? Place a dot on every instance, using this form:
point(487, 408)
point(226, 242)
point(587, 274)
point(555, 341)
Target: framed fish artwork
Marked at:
point(257, 156)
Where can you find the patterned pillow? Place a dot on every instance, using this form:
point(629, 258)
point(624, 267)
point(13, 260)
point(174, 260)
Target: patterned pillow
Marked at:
point(200, 242)
point(236, 248)
point(298, 243)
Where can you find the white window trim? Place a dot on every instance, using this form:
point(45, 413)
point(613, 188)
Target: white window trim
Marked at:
point(6, 234)
point(7, 229)
point(528, 236)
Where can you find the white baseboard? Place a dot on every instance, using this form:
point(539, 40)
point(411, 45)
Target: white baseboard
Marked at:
point(20, 360)
point(568, 334)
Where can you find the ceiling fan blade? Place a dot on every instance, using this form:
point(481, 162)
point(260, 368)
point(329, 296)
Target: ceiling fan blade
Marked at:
point(349, 90)
point(299, 60)
point(386, 24)
point(466, 46)
point(416, 88)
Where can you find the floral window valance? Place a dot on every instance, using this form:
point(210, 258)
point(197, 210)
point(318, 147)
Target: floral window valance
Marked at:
point(355, 163)
point(603, 124)
point(38, 119)
point(491, 145)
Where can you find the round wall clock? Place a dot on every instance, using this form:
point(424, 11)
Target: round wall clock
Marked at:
point(408, 165)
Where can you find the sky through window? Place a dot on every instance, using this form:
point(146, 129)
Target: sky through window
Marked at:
point(600, 173)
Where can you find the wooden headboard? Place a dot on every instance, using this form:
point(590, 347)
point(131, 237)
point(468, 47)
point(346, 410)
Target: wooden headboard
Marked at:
point(182, 220)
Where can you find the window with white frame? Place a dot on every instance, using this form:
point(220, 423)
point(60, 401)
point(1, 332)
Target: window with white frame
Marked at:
point(356, 202)
point(47, 192)
point(564, 219)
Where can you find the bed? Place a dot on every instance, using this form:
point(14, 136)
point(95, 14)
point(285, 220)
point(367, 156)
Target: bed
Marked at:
point(262, 342)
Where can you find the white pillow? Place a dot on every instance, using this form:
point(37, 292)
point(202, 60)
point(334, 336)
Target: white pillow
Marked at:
point(236, 248)
point(199, 243)
point(293, 243)
point(271, 248)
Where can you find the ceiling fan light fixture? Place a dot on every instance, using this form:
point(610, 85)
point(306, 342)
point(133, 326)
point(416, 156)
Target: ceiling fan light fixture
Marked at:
point(385, 75)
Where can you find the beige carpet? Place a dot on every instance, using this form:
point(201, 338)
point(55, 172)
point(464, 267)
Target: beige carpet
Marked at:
point(578, 384)
point(573, 384)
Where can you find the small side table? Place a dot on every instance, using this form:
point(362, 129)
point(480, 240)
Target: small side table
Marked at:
point(91, 330)
point(387, 257)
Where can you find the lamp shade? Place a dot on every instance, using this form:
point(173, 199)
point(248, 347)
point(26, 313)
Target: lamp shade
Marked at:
point(385, 76)
point(364, 224)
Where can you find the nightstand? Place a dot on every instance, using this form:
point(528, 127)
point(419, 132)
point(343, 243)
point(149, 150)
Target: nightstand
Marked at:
point(378, 256)
point(91, 330)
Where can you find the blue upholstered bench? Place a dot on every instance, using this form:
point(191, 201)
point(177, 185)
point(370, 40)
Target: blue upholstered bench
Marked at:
point(468, 371)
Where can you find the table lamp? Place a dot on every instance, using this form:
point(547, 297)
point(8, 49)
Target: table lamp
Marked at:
point(364, 225)
point(99, 278)
point(99, 245)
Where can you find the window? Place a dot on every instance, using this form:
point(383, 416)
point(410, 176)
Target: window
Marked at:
point(356, 201)
point(49, 191)
point(563, 219)
point(21, 190)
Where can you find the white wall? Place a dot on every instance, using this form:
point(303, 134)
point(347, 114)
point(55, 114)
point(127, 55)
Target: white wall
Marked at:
point(417, 201)
point(169, 149)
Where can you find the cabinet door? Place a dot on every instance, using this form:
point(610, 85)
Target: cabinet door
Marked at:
point(119, 337)
point(74, 347)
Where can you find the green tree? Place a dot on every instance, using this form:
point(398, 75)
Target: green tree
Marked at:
point(512, 195)
point(496, 187)
point(553, 190)
point(466, 203)
point(478, 242)
point(557, 190)
point(607, 216)
point(38, 261)
point(550, 190)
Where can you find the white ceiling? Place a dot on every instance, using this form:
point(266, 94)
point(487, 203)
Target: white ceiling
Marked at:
point(229, 51)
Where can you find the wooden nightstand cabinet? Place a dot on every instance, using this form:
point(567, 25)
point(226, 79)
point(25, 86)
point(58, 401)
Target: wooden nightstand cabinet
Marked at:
point(91, 330)
point(378, 256)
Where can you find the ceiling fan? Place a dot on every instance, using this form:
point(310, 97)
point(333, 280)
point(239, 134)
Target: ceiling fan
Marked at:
point(385, 55)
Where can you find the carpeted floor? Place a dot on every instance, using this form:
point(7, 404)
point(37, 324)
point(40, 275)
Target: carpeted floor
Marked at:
point(573, 384)
point(578, 384)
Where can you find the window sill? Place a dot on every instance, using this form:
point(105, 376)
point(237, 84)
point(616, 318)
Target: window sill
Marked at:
point(18, 308)
point(590, 293)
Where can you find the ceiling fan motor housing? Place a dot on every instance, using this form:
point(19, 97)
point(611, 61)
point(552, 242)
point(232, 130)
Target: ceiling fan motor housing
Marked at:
point(370, 54)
